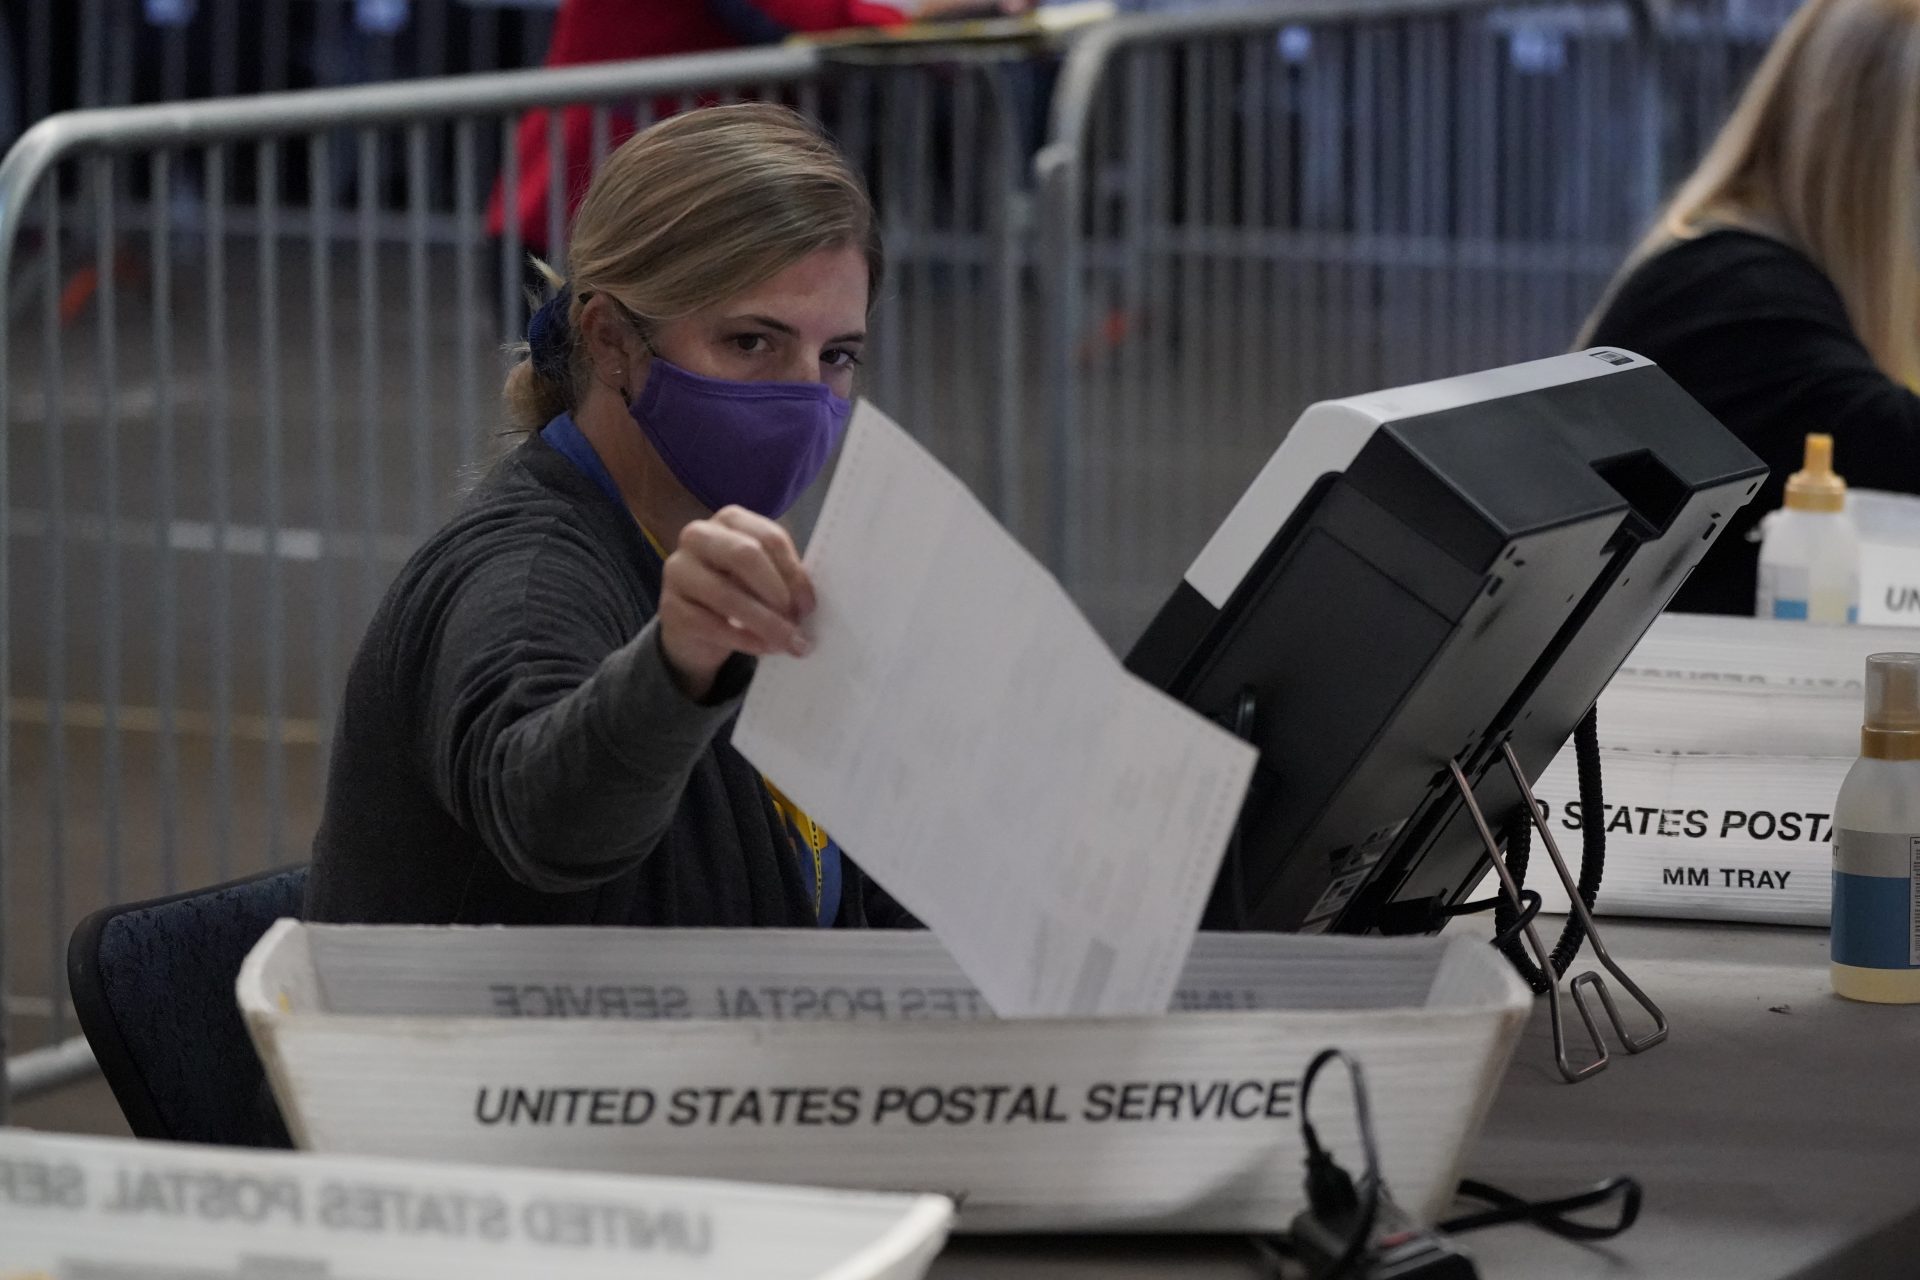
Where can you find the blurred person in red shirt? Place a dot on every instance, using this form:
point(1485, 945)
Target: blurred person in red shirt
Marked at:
point(616, 30)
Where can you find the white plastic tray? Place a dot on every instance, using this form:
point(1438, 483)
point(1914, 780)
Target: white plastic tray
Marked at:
point(103, 1209)
point(865, 1060)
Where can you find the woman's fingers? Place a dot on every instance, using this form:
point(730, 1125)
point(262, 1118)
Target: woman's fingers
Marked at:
point(777, 545)
point(726, 614)
point(730, 553)
point(734, 584)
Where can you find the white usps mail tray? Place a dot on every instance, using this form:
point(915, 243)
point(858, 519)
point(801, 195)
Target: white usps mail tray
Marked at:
point(866, 1060)
point(111, 1209)
point(1889, 525)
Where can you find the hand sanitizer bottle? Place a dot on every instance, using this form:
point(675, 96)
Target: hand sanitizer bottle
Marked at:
point(1876, 844)
point(1810, 558)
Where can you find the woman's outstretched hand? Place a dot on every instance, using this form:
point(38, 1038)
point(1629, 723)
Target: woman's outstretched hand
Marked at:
point(734, 584)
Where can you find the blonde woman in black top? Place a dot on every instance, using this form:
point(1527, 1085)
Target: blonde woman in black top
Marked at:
point(535, 729)
point(1781, 287)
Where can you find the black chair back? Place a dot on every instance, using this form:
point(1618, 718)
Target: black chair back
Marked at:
point(152, 985)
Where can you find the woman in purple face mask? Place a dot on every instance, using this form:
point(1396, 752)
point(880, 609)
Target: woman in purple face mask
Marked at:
point(535, 727)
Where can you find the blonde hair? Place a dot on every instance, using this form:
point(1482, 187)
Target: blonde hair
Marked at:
point(690, 212)
point(1822, 152)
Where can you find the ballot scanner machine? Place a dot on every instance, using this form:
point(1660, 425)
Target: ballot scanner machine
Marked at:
point(1424, 577)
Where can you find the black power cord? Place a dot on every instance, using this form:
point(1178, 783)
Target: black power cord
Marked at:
point(1508, 923)
point(1330, 1190)
point(1529, 908)
point(1550, 1215)
point(1373, 1238)
point(1333, 1198)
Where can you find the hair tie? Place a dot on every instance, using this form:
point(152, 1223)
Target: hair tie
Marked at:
point(548, 341)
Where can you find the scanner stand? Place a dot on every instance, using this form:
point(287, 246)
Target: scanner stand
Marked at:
point(1240, 722)
point(1591, 978)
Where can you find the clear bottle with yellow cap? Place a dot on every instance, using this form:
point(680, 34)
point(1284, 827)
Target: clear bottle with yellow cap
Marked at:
point(1810, 557)
point(1876, 843)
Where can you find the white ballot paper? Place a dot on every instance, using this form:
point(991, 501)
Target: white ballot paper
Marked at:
point(970, 740)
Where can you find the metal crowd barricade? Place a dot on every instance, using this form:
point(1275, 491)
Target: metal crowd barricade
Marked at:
point(1707, 50)
point(1246, 212)
point(62, 54)
point(91, 53)
point(287, 356)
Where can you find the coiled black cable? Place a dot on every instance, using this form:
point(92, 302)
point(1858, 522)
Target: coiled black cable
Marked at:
point(1593, 859)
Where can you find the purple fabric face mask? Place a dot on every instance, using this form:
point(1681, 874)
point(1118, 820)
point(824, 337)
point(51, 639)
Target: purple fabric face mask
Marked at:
point(756, 445)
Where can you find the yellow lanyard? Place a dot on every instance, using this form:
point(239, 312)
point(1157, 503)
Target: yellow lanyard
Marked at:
point(809, 833)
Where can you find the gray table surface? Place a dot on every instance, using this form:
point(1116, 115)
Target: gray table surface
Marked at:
point(1776, 1133)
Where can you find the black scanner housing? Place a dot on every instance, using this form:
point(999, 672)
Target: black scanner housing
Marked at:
point(1472, 579)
